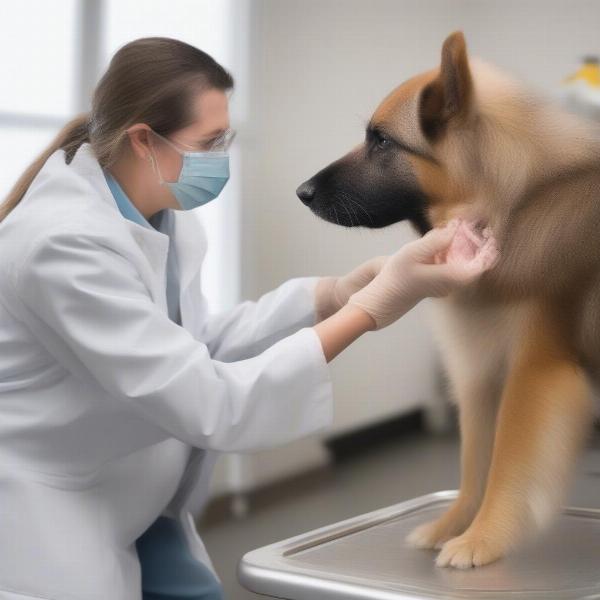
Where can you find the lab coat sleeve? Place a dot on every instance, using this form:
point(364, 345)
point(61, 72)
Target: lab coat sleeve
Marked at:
point(251, 327)
point(91, 299)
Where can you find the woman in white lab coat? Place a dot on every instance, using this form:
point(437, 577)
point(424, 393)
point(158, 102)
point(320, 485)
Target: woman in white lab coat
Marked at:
point(117, 388)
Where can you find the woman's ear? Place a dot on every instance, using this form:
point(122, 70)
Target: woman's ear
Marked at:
point(139, 138)
point(449, 96)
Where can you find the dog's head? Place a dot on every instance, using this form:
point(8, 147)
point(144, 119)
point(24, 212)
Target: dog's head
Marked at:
point(421, 155)
point(465, 140)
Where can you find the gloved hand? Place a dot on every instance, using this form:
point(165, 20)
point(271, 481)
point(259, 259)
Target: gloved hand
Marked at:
point(430, 266)
point(331, 293)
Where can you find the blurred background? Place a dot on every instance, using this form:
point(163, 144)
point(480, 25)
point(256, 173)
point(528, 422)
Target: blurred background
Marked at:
point(308, 75)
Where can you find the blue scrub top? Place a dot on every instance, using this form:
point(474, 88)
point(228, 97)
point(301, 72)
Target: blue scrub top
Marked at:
point(169, 571)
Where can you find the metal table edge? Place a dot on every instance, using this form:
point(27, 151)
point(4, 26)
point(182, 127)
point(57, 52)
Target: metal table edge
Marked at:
point(259, 569)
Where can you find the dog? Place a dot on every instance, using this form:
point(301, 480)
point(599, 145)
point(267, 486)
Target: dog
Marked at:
point(521, 345)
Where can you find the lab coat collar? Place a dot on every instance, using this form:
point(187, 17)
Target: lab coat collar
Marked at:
point(127, 208)
point(183, 227)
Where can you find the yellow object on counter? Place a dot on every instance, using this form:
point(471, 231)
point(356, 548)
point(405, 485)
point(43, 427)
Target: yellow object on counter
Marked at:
point(589, 72)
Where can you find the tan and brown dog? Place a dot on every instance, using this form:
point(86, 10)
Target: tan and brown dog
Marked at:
point(522, 345)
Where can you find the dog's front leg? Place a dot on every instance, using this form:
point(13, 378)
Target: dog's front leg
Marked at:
point(542, 420)
point(476, 372)
point(477, 403)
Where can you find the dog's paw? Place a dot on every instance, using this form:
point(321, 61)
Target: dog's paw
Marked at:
point(428, 535)
point(469, 550)
point(435, 533)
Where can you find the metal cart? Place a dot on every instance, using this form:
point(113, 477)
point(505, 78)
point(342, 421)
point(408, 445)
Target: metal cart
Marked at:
point(367, 558)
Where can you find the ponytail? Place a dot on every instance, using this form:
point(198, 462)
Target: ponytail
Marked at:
point(69, 138)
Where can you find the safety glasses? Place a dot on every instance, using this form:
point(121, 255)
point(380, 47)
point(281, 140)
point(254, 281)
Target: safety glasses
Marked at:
point(218, 144)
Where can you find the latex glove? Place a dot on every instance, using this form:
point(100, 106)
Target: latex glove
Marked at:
point(465, 243)
point(430, 266)
point(331, 293)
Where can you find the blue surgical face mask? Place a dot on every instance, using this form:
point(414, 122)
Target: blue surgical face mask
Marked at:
point(203, 174)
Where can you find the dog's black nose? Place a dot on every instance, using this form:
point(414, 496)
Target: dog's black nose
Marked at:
point(306, 192)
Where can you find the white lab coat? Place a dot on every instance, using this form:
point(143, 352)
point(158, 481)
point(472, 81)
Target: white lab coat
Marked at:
point(110, 413)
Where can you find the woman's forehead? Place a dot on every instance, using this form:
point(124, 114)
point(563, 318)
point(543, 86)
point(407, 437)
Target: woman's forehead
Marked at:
point(211, 113)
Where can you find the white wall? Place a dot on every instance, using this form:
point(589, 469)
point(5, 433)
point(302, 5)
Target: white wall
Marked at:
point(539, 41)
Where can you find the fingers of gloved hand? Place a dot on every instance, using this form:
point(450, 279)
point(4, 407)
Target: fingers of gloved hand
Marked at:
point(378, 262)
point(369, 269)
point(439, 258)
point(432, 246)
point(357, 279)
point(443, 278)
point(485, 259)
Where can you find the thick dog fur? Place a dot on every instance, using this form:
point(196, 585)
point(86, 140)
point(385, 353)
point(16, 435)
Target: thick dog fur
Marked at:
point(522, 345)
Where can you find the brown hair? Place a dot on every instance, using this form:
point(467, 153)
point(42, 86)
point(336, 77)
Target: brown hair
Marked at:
point(150, 81)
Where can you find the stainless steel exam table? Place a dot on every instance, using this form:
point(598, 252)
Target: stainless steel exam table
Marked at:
point(367, 558)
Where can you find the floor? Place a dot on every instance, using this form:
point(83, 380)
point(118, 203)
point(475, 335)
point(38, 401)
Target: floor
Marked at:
point(408, 467)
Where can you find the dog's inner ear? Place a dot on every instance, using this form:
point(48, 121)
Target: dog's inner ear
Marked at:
point(449, 95)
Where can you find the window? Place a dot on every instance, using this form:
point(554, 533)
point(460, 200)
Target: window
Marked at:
point(38, 79)
point(54, 53)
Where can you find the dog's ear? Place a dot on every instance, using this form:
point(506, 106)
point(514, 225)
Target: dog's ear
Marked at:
point(449, 95)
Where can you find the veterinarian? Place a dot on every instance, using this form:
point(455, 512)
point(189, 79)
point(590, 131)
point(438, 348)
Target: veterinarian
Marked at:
point(117, 388)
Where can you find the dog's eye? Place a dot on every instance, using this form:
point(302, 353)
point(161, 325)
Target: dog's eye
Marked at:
point(382, 141)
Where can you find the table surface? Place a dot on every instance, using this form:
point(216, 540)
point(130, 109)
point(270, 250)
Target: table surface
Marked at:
point(367, 558)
